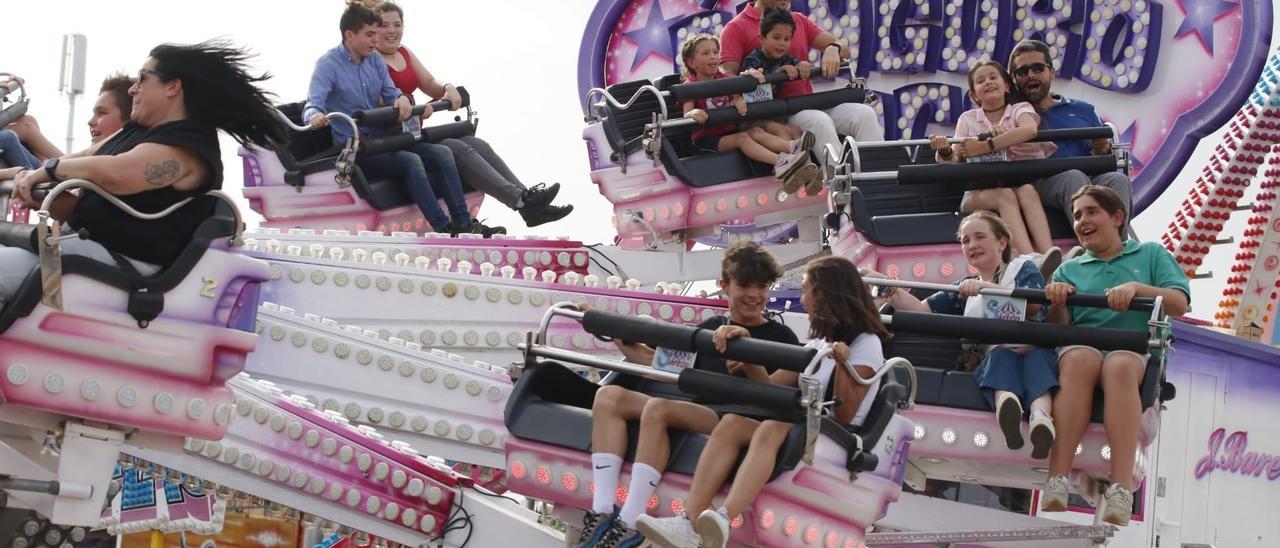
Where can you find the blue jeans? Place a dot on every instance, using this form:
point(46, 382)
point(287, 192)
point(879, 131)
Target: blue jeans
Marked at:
point(14, 153)
point(427, 170)
point(1027, 376)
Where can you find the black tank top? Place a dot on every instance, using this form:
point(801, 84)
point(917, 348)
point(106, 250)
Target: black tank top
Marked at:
point(162, 240)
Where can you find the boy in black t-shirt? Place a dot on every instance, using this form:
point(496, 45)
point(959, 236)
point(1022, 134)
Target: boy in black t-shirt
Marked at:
point(776, 29)
point(747, 272)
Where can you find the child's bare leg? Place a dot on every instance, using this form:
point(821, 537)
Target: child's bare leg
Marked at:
point(1004, 202)
point(780, 129)
point(1033, 213)
point(769, 140)
point(742, 141)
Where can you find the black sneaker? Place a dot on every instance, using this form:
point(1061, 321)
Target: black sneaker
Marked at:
point(478, 227)
point(539, 196)
point(544, 215)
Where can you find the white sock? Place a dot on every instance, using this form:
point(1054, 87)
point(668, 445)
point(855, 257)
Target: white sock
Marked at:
point(605, 470)
point(644, 481)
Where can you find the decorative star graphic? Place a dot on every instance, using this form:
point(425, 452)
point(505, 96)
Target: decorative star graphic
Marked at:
point(1200, 16)
point(653, 37)
point(1130, 136)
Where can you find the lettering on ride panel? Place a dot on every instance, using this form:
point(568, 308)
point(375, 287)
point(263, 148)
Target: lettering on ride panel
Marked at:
point(843, 20)
point(906, 36)
point(1121, 45)
point(974, 30)
point(1051, 23)
point(919, 105)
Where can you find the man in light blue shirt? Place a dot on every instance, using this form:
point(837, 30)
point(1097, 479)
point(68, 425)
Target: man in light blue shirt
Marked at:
point(352, 77)
point(1032, 68)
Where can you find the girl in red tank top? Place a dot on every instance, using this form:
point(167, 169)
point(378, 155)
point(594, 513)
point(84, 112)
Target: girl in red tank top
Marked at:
point(407, 79)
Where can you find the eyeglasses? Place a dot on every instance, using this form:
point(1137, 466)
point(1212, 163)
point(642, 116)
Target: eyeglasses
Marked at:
point(142, 74)
point(1037, 68)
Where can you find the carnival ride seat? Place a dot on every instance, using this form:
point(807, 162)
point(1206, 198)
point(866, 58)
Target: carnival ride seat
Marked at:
point(954, 421)
point(698, 168)
point(549, 418)
point(311, 182)
point(673, 186)
point(941, 381)
point(900, 197)
point(142, 351)
point(313, 151)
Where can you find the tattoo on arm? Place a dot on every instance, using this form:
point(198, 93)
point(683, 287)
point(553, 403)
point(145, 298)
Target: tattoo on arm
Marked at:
point(162, 173)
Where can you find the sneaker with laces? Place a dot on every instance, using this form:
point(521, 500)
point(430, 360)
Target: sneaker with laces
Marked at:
point(788, 163)
point(487, 231)
point(539, 196)
point(713, 527)
point(1042, 435)
point(804, 143)
point(801, 177)
point(1009, 415)
point(672, 532)
point(545, 214)
point(594, 525)
point(1053, 498)
point(618, 535)
point(815, 183)
point(1119, 505)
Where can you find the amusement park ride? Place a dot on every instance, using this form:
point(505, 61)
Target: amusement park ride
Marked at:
point(368, 376)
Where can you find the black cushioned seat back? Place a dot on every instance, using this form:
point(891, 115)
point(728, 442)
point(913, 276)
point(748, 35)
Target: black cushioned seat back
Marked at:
point(623, 127)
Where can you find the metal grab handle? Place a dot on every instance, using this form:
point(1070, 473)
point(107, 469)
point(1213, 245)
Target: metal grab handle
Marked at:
point(355, 130)
point(604, 93)
point(72, 184)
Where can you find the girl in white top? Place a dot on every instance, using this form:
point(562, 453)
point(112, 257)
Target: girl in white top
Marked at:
point(843, 316)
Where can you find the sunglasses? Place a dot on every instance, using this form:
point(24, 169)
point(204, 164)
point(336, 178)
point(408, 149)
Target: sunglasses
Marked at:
point(142, 74)
point(1037, 68)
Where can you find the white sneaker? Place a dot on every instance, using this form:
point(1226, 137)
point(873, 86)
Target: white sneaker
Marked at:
point(788, 163)
point(1009, 415)
point(1042, 435)
point(1053, 498)
point(1119, 505)
point(672, 532)
point(713, 527)
point(805, 142)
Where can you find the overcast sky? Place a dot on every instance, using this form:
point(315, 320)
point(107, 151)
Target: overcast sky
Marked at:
point(517, 58)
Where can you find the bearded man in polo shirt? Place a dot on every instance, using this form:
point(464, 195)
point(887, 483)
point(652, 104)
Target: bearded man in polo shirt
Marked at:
point(741, 36)
point(1031, 66)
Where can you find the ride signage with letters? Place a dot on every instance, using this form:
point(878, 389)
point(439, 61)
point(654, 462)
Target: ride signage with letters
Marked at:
point(1229, 454)
point(1189, 64)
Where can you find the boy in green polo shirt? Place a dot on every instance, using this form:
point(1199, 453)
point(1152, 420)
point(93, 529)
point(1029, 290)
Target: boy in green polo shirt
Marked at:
point(1122, 270)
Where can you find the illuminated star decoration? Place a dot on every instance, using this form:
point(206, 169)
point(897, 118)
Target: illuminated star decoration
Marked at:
point(1200, 16)
point(653, 37)
point(1129, 136)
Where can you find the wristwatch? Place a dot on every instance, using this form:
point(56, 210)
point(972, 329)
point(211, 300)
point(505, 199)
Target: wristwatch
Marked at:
point(992, 143)
point(51, 169)
point(839, 48)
